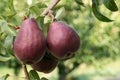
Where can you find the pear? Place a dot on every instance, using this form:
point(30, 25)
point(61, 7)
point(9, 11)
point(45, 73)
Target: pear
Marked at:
point(30, 42)
point(46, 65)
point(62, 40)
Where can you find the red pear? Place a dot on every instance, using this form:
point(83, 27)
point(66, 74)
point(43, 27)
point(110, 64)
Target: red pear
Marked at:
point(30, 43)
point(62, 40)
point(46, 65)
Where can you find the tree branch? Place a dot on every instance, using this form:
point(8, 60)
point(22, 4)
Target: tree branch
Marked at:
point(52, 5)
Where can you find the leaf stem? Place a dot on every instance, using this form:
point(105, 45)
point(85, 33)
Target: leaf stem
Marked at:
point(52, 5)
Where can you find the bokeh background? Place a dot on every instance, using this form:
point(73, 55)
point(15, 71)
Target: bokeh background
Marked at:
point(98, 57)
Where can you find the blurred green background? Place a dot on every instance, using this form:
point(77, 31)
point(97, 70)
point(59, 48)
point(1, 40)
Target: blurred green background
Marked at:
point(99, 55)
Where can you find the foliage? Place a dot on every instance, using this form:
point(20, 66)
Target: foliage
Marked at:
point(4, 77)
point(99, 40)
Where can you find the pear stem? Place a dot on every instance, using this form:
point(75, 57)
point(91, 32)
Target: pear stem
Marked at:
point(52, 5)
point(52, 15)
point(25, 71)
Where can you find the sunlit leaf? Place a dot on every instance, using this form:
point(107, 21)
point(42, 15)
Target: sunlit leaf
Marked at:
point(4, 77)
point(3, 59)
point(47, 19)
point(34, 75)
point(60, 13)
point(98, 14)
point(110, 4)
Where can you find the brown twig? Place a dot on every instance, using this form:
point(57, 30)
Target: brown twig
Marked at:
point(52, 5)
point(16, 27)
point(24, 17)
point(25, 71)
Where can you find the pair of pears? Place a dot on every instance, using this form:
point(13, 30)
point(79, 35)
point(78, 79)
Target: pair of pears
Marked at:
point(30, 44)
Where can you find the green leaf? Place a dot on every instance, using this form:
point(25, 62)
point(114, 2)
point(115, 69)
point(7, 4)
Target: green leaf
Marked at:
point(47, 19)
point(11, 30)
point(3, 59)
point(40, 20)
point(2, 17)
point(41, 5)
point(8, 43)
point(34, 75)
point(43, 78)
point(60, 13)
point(97, 13)
point(4, 77)
point(35, 10)
point(10, 14)
point(10, 4)
point(5, 28)
point(3, 25)
point(79, 2)
point(110, 4)
point(12, 9)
